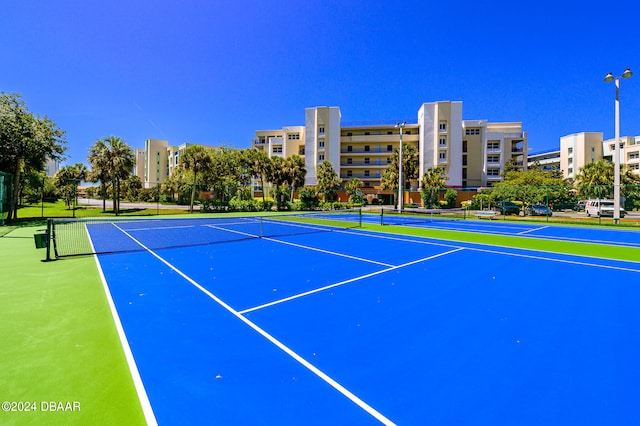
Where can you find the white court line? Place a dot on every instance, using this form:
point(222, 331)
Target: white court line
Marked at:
point(303, 246)
point(341, 283)
point(572, 262)
point(531, 230)
point(133, 368)
point(328, 252)
point(315, 370)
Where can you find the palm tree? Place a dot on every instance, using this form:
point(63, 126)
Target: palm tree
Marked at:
point(294, 173)
point(67, 180)
point(433, 180)
point(410, 168)
point(113, 161)
point(595, 179)
point(262, 167)
point(197, 159)
point(99, 160)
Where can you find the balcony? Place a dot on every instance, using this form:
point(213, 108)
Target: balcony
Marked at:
point(358, 163)
point(362, 176)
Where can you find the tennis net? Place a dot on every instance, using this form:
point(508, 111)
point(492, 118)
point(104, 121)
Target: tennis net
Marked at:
point(78, 237)
point(410, 217)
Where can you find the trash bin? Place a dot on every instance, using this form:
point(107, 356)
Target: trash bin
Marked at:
point(41, 239)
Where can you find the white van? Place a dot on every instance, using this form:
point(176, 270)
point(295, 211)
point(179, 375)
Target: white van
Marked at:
point(601, 208)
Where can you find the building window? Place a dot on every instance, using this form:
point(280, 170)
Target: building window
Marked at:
point(389, 148)
point(443, 142)
point(366, 160)
point(570, 150)
point(349, 148)
point(593, 154)
point(570, 160)
point(366, 173)
point(464, 173)
point(493, 172)
point(293, 136)
point(349, 173)
point(388, 160)
point(349, 160)
point(301, 150)
point(635, 166)
point(493, 158)
point(367, 133)
point(442, 156)
point(321, 144)
point(277, 150)
point(321, 130)
point(389, 133)
point(634, 155)
point(493, 145)
point(321, 157)
point(443, 126)
point(366, 148)
point(464, 160)
point(469, 132)
point(570, 170)
point(464, 146)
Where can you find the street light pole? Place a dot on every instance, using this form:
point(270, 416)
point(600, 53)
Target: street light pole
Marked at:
point(616, 151)
point(400, 185)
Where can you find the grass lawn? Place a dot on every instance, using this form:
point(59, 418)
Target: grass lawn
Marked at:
point(59, 341)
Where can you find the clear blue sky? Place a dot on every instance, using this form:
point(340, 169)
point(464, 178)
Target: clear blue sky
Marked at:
point(214, 71)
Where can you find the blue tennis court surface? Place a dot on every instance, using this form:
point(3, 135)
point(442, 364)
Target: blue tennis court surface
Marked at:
point(587, 234)
point(356, 328)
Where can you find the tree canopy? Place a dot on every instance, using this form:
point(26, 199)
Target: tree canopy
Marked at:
point(27, 141)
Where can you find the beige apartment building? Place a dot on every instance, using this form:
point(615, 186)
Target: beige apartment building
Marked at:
point(579, 149)
point(157, 160)
point(472, 153)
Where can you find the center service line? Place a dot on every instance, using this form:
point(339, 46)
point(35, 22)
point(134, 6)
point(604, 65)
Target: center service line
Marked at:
point(315, 370)
point(317, 290)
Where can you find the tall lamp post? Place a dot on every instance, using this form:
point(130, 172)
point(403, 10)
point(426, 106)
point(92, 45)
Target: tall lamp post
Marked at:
point(400, 185)
point(616, 152)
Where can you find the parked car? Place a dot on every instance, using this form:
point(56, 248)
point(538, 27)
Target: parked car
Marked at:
point(602, 208)
point(507, 207)
point(537, 210)
point(580, 206)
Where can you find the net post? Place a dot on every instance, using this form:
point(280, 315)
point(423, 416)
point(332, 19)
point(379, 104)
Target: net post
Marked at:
point(49, 240)
point(360, 217)
point(261, 231)
point(381, 216)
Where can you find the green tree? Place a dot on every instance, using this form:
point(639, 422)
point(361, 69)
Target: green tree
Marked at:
point(410, 168)
point(353, 187)
point(67, 180)
point(433, 180)
point(120, 165)
point(294, 173)
point(99, 158)
point(260, 166)
point(197, 159)
point(595, 180)
point(26, 142)
point(328, 181)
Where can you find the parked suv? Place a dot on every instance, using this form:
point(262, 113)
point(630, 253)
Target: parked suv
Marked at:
point(507, 207)
point(602, 208)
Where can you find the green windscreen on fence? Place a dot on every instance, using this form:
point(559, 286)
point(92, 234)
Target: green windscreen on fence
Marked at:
point(6, 195)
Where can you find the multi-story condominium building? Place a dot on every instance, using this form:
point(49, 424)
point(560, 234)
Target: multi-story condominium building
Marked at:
point(548, 159)
point(471, 152)
point(157, 160)
point(579, 149)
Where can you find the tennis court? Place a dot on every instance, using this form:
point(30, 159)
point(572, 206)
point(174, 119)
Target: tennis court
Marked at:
point(350, 326)
point(440, 219)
